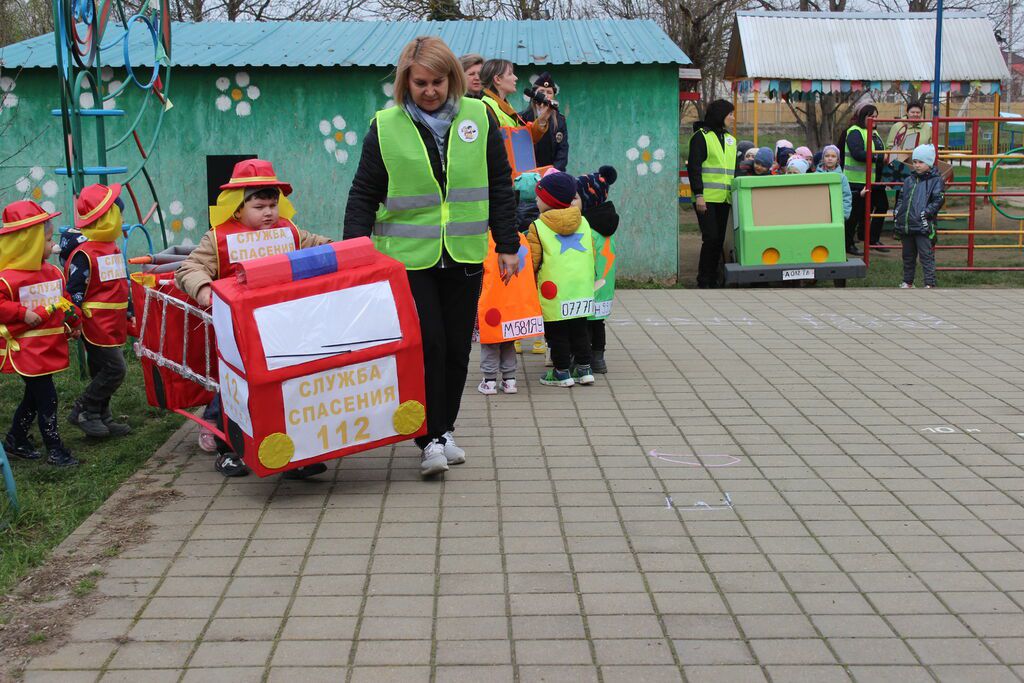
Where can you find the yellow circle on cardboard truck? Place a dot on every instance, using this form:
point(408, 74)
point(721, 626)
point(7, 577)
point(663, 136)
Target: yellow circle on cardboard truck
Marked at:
point(276, 451)
point(409, 417)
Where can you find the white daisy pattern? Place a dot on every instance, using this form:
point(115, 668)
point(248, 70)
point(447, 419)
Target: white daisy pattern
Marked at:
point(33, 186)
point(179, 221)
point(8, 100)
point(648, 160)
point(389, 92)
point(238, 93)
point(337, 140)
point(108, 85)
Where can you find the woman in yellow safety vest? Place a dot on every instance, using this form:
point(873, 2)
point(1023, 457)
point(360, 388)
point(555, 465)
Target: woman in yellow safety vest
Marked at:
point(499, 80)
point(711, 165)
point(433, 176)
point(853, 155)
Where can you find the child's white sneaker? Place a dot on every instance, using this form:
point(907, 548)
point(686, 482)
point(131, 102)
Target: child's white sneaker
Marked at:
point(508, 386)
point(906, 285)
point(452, 452)
point(433, 460)
point(488, 387)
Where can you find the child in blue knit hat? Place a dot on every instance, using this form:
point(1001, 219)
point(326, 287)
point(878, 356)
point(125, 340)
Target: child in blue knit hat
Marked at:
point(916, 213)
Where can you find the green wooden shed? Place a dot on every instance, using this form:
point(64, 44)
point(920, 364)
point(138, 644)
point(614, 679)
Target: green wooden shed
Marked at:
point(302, 95)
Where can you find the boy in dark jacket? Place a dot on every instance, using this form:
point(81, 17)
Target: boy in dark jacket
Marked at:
point(916, 210)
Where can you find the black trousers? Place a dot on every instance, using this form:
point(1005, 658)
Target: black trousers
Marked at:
point(107, 370)
point(569, 341)
point(597, 335)
point(855, 223)
point(713, 224)
point(38, 403)
point(446, 301)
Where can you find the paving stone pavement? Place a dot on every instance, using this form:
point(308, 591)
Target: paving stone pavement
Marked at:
point(835, 494)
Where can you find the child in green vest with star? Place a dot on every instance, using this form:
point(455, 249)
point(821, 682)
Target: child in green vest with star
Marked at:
point(562, 249)
point(600, 214)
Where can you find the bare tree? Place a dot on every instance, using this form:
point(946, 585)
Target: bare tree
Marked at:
point(23, 19)
point(264, 10)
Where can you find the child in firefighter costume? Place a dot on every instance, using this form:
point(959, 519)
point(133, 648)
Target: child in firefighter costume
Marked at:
point(562, 247)
point(97, 284)
point(33, 341)
point(252, 219)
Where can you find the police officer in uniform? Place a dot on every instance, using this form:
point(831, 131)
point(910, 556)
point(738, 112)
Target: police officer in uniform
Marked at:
point(553, 148)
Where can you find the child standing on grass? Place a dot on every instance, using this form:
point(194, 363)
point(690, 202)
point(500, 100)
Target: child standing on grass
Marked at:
point(33, 342)
point(97, 284)
point(916, 211)
point(562, 249)
point(253, 201)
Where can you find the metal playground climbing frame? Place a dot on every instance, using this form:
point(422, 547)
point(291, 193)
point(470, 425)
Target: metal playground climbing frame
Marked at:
point(981, 157)
point(84, 32)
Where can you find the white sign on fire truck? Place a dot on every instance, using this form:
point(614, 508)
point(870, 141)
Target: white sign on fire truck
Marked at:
point(339, 408)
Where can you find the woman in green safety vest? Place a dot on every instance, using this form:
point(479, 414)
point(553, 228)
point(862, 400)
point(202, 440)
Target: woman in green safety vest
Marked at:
point(432, 178)
point(711, 165)
point(499, 79)
point(853, 149)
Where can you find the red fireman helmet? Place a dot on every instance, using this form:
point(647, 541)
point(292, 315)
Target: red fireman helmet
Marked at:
point(255, 173)
point(93, 202)
point(24, 214)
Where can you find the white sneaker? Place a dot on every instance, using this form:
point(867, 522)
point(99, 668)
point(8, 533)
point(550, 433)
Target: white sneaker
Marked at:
point(452, 452)
point(906, 285)
point(433, 460)
point(509, 386)
point(488, 387)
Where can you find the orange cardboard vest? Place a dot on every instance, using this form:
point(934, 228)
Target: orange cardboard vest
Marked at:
point(512, 311)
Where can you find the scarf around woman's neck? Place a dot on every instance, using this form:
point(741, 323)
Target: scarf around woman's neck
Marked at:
point(437, 122)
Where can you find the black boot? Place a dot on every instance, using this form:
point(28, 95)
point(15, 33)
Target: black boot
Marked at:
point(115, 428)
point(61, 457)
point(21, 449)
point(92, 424)
point(306, 472)
point(598, 364)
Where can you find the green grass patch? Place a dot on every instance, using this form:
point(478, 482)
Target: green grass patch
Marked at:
point(55, 501)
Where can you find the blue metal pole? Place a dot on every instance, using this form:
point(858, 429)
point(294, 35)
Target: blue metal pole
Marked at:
point(936, 87)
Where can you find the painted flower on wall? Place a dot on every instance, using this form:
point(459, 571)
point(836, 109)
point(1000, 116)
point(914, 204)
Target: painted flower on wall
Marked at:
point(179, 221)
point(337, 140)
point(108, 85)
point(646, 159)
point(389, 92)
point(8, 100)
point(239, 93)
point(32, 186)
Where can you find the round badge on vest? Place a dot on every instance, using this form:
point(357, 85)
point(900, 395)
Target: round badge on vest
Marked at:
point(468, 132)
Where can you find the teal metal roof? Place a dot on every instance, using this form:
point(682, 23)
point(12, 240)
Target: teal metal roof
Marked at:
point(377, 43)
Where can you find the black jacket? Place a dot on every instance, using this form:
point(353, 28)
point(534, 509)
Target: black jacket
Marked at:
point(698, 155)
point(919, 203)
point(553, 148)
point(370, 188)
